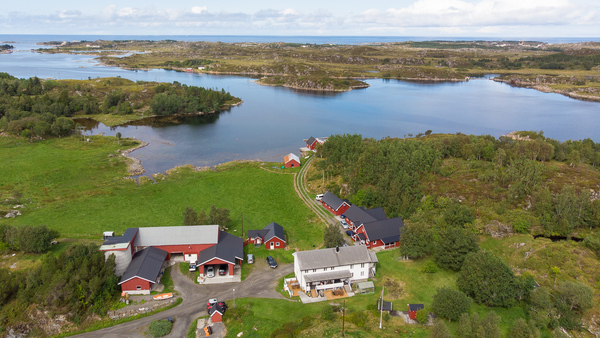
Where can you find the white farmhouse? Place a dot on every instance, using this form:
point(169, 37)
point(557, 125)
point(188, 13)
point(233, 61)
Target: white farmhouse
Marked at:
point(334, 267)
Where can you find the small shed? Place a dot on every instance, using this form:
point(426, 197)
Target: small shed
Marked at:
point(216, 313)
point(107, 234)
point(412, 310)
point(387, 306)
point(291, 161)
point(366, 287)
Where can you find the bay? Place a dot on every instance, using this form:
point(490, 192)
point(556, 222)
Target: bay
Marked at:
point(273, 121)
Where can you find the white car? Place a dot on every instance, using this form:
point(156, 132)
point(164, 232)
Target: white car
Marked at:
point(344, 224)
point(250, 259)
point(319, 197)
point(210, 271)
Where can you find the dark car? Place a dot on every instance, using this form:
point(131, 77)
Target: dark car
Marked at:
point(349, 233)
point(271, 262)
point(222, 270)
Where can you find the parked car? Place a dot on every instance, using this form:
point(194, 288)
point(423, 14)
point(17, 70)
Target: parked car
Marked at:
point(210, 271)
point(250, 259)
point(222, 270)
point(213, 301)
point(342, 216)
point(319, 197)
point(271, 262)
point(349, 233)
point(192, 266)
point(344, 224)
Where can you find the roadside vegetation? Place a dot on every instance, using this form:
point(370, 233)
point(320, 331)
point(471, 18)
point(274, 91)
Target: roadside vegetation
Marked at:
point(569, 69)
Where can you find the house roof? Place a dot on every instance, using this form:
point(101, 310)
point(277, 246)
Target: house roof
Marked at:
point(332, 200)
point(257, 233)
point(216, 308)
point(366, 285)
point(146, 264)
point(119, 242)
point(178, 235)
point(387, 230)
point(228, 249)
point(274, 230)
point(290, 157)
point(311, 141)
point(329, 275)
point(387, 306)
point(377, 213)
point(361, 236)
point(325, 258)
point(358, 215)
point(415, 307)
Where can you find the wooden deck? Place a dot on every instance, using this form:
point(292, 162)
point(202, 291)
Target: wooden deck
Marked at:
point(294, 286)
point(336, 294)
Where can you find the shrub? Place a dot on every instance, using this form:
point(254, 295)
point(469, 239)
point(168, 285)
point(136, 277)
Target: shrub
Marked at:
point(327, 312)
point(450, 304)
point(160, 328)
point(422, 316)
point(357, 318)
point(429, 267)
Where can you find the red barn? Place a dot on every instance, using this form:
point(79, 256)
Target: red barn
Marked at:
point(334, 204)
point(412, 310)
point(272, 235)
point(291, 161)
point(144, 271)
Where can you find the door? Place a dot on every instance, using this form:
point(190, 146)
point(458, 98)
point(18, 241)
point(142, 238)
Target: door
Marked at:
point(272, 245)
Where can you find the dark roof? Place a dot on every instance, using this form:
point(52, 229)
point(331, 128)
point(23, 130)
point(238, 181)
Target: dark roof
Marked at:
point(361, 236)
point(377, 213)
point(332, 200)
point(125, 238)
point(387, 230)
point(311, 141)
point(228, 249)
point(146, 264)
point(274, 230)
point(415, 307)
point(257, 233)
point(358, 215)
point(216, 308)
point(387, 306)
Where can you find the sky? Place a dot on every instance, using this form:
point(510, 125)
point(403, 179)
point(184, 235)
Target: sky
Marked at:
point(435, 18)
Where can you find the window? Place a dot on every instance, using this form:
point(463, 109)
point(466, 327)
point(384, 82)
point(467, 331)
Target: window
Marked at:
point(314, 270)
point(351, 266)
point(324, 269)
point(362, 273)
point(332, 268)
point(362, 265)
point(277, 244)
point(351, 274)
point(139, 287)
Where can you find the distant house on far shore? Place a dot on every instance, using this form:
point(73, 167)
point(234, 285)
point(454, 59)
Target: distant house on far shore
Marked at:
point(291, 161)
point(312, 142)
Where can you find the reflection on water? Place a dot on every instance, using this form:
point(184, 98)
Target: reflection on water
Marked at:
point(273, 121)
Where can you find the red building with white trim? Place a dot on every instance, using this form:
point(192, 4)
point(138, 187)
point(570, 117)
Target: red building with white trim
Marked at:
point(291, 161)
point(272, 236)
point(334, 204)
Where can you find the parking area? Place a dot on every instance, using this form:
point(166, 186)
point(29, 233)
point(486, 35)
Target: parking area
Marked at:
point(219, 279)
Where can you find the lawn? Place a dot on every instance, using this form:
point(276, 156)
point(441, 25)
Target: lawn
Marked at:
point(76, 188)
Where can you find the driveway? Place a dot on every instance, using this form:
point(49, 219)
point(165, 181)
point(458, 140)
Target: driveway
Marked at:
point(261, 283)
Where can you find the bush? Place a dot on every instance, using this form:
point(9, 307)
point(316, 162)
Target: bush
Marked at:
point(160, 328)
point(450, 304)
point(358, 318)
point(429, 267)
point(422, 316)
point(327, 312)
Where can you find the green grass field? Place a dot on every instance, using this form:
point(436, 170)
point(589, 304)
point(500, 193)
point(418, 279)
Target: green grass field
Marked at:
point(76, 188)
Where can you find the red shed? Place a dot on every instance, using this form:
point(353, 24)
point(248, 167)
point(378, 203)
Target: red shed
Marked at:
point(291, 161)
point(272, 235)
point(143, 271)
point(334, 204)
point(216, 313)
point(412, 310)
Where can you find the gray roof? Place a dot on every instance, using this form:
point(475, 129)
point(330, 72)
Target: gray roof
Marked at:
point(257, 233)
point(387, 230)
point(329, 275)
point(332, 200)
point(274, 230)
point(387, 306)
point(358, 215)
point(415, 307)
point(119, 242)
point(146, 264)
point(377, 213)
point(228, 249)
point(216, 308)
point(311, 140)
point(325, 258)
point(178, 235)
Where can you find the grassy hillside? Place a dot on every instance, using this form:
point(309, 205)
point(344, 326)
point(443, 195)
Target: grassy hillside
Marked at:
point(80, 190)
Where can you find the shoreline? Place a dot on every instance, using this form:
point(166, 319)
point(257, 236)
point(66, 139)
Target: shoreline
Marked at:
point(547, 89)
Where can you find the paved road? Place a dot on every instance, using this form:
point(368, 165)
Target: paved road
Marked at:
point(261, 283)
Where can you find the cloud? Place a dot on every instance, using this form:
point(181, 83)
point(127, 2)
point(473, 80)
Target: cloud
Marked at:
point(199, 9)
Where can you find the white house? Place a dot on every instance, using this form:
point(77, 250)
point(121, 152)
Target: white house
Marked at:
point(334, 267)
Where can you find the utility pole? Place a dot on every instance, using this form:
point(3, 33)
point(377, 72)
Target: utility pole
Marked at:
point(343, 318)
point(381, 309)
point(243, 226)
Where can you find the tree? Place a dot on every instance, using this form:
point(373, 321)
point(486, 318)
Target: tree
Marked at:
point(541, 310)
point(489, 324)
point(118, 135)
point(520, 328)
point(219, 216)
point(464, 326)
point(572, 300)
point(453, 246)
point(202, 218)
point(450, 303)
point(422, 316)
point(457, 214)
point(332, 237)
point(62, 126)
point(439, 330)
point(488, 280)
point(190, 217)
point(416, 240)
point(29, 238)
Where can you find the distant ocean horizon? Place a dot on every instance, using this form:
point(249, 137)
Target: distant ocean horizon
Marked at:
point(23, 40)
